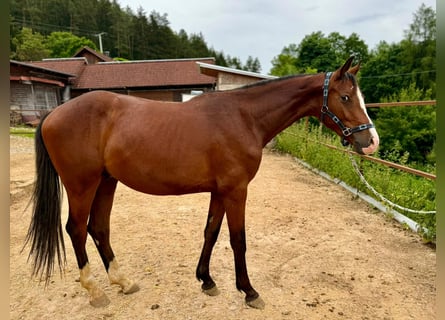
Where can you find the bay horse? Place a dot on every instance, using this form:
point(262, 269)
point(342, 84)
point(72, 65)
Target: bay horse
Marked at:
point(212, 143)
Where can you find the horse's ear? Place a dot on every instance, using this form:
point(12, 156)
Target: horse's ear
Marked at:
point(355, 68)
point(345, 68)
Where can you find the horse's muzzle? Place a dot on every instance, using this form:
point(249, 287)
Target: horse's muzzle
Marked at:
point(373, 143)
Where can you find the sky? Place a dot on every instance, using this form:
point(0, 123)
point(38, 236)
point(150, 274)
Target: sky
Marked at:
point(262, 28)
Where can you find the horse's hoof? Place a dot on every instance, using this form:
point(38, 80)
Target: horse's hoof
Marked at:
point(257, 303)
point(132, 289)
point(100, 301)
point(213, 291)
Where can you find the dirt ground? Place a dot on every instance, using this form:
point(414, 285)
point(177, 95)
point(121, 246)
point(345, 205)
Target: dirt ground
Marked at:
point(314, 252)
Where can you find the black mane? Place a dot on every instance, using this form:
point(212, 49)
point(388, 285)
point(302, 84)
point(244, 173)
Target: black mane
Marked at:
point(347, 76)
point(267, 81)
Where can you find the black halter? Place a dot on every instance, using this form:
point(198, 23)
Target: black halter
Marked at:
point(325, 111)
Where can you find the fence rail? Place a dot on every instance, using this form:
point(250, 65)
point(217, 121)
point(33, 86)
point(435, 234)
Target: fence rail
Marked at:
point(401, 104)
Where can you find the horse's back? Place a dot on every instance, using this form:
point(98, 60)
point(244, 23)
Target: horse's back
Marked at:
point(94, 114)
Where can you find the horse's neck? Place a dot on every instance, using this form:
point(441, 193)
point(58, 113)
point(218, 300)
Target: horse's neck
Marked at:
point(277, 105)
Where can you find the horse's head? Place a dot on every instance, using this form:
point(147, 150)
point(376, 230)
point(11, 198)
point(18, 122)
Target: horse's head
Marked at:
point(344, 110)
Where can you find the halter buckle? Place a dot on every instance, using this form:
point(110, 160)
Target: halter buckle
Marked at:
point(348, 131)
point(324, 109)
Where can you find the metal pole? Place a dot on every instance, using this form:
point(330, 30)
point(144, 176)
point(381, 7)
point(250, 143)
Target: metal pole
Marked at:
point(100, 41)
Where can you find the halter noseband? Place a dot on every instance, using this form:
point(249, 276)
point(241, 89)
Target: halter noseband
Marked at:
point(325, 111)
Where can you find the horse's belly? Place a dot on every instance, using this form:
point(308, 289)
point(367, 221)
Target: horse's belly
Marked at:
point(163, 178)
point(156, 186)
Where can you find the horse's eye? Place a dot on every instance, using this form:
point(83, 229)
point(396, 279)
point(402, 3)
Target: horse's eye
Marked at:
point(345, 98)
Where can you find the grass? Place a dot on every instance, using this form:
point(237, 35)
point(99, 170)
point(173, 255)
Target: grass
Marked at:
point(401, 188)
point(22, 131)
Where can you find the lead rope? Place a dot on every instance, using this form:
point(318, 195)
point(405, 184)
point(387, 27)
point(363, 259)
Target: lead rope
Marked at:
point(392, 204)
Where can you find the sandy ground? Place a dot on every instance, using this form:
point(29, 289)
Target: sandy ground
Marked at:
point(314, 252)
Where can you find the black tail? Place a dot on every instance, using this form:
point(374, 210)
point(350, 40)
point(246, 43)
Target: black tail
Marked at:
point(45, 231)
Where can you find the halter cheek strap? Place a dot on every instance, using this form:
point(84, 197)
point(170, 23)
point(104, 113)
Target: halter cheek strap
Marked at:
point(346, 131)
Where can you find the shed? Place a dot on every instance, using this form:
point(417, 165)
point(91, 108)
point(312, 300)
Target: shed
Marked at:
point(229, 78)
point(34, 89)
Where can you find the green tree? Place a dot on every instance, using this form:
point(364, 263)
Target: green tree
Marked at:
point(140, 31)
point(162, 41)
point(117, 39)
point(316, 51)
point(355, 46)
point(105, 20)
point(252, 64)
point(286, 62)
point(410, 130)
point(198, 45)
point(14, 30)
point(234, 62)
point(29, 46)
point(421, 48)
point(66, 44)
point(405, 71)
point(392, 67)
point(220, 58)
point(27, 12)
point(319, 52)
point(184, 49)
point(383, 74)
point(423, 28)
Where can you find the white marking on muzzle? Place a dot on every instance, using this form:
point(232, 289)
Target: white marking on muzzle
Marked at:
point(374, 135)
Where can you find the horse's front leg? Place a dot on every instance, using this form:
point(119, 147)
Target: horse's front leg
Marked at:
point(235, 205)
point(211, 232)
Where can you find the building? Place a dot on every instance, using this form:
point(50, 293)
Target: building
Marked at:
point(42, 85)
point(34, 89)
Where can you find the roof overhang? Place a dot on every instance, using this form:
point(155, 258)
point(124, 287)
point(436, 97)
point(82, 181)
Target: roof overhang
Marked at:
point(42, 70)
point(213, 70)
point(25, 79)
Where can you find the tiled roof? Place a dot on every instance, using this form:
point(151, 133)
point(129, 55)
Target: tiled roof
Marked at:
point(132, 74)
point(73, 66)
point(154, 73)
point(43, 68)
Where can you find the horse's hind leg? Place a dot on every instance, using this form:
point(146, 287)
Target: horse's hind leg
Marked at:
point(99, 229)
point(79, 209)
point(213, 226)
